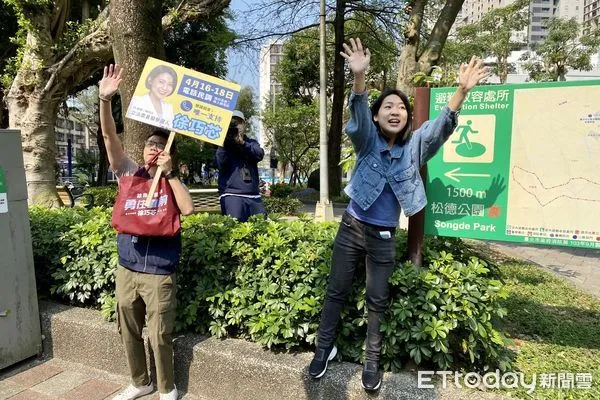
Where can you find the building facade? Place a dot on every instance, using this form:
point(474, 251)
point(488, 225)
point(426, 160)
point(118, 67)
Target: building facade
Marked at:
point(591, 15)
point(540, 11)
point(69, 131)
point(270, 56)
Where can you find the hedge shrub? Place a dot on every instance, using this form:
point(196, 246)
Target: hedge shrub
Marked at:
point(47, 228)
point(265, 280)
point(104, 196)
point(283, 206)
point(281, 190)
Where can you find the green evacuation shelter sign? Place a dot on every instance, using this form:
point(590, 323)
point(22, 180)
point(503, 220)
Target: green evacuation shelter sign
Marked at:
point(3, 198)
point(522, 165)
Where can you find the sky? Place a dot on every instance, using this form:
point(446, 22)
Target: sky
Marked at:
point(242, 68)
point(243, 64)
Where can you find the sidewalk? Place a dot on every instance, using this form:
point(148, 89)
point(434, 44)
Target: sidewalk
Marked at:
point(55, 379)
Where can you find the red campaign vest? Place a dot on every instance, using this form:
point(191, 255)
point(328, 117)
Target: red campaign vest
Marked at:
point(130, 214)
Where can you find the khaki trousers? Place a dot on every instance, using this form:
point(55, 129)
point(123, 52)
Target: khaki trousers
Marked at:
point(141, 296)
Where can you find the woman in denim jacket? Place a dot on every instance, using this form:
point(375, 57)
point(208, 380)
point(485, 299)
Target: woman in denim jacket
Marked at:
point(385, 180)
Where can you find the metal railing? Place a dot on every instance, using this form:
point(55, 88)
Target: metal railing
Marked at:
point(205, 199)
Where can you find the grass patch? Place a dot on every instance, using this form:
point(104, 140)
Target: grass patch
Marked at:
point(555, 328)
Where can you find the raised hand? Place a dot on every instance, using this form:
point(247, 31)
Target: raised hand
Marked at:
point(110, 82)
point(470, 74)
point(358, 57)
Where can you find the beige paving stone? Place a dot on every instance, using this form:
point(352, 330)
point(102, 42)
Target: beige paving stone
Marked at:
point(61, 383)
point(93, 389)
point(9, 388)
point(31, 395)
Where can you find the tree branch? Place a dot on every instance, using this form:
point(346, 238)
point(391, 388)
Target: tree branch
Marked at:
point(92, 52)
point(435, 44)
point(191, 10)
point(280, 34)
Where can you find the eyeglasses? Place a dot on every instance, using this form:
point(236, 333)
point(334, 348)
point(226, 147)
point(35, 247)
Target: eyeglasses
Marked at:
point(151, 143)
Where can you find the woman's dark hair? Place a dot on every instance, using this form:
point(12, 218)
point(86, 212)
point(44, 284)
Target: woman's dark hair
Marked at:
point(162, 69)
point(404, 134)
point(165, 135)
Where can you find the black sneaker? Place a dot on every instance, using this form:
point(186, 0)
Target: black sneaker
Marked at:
point(318, 365)
point(371, 377)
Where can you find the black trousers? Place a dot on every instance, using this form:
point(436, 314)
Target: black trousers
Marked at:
point(355, 242)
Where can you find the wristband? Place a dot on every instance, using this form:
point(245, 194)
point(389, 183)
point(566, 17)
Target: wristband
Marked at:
point(172, 174)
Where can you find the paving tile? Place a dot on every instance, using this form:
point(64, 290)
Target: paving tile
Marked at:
point(31, 395)
point(61, 383)
point(592, 263)
point(35, 375)
point(9, 388)
point(92, 390)
point(151, 396)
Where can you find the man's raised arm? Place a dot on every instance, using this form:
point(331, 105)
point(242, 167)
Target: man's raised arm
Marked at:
point(108, 86)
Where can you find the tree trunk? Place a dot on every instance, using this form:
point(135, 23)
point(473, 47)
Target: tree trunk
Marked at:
point(561, 73)
point(407, 67)
point(433, 49)
point(36, 122)
point(85, 10)
point(136, 30)
point(32, 109)
point(334, 145)
point(410, 61)
point(41, 84)
point(503, 68)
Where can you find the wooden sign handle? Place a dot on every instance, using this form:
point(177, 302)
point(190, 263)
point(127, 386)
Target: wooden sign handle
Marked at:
point(159, 172)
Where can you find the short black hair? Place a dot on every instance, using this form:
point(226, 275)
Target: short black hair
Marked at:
point(165, 135)
point(162, 69)
point(404, 134)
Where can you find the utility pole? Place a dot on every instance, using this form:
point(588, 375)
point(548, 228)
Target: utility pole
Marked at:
point(324, 208)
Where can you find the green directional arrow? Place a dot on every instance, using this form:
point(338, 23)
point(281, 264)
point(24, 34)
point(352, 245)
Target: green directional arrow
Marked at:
point(453, 174)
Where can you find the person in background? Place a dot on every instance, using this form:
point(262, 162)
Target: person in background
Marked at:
point(238, 181)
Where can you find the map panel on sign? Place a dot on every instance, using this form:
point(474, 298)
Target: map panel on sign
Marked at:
point(554, 183)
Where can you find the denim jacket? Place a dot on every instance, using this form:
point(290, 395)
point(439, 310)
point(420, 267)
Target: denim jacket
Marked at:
point(369, 177)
